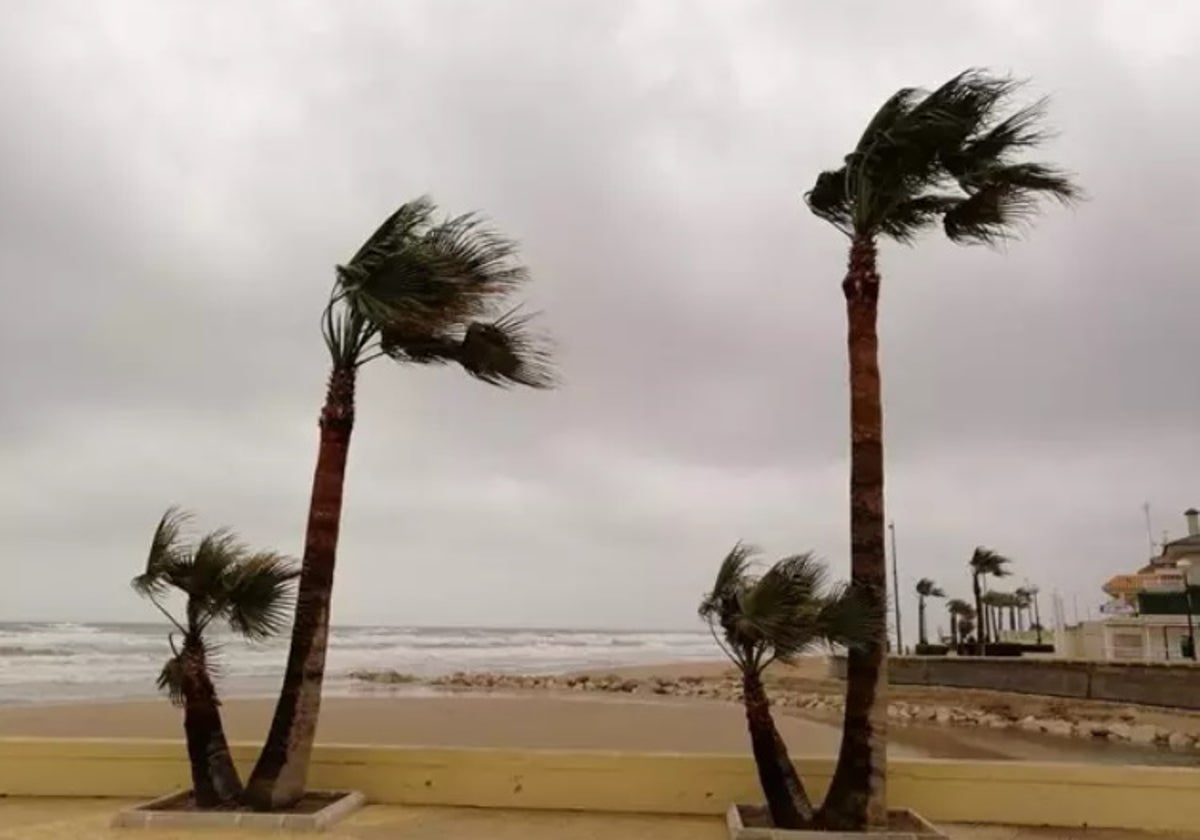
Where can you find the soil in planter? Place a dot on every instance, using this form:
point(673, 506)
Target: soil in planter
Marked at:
point(757, 816)
point(310, 803)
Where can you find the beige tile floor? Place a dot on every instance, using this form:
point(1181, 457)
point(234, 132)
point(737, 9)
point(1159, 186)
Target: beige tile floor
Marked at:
point(87, 819)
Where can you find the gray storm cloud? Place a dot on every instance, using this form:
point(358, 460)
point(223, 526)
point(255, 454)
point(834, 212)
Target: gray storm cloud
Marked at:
point(177, 181)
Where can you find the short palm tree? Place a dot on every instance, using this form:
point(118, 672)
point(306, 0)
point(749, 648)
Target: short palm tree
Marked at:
point(221, 582)
point(778, 616)
point(926, 588)
point(950, 156)
point(985, 563)
point(421, 290)
point(957, 608)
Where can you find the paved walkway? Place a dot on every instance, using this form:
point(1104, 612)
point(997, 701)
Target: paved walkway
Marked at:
point(87, 819)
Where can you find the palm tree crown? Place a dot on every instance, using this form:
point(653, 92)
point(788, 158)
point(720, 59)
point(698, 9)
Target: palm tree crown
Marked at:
point(926, 588)
point(222, 580)
point(423, 290)
point(782, 613)
point(959, 607)
point(949, 155)
point(986, 562)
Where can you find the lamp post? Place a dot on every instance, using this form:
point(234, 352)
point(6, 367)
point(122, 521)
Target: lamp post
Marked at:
point(896, 587)
point(1184, 566)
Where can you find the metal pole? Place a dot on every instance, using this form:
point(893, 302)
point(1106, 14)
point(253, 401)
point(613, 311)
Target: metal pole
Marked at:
point(896, 589)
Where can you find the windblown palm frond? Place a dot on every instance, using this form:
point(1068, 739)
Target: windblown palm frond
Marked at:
point(423, 291)
point(171, 680)
point(257, 595)
point(984, 561)
point(959, 607)
point(926, 588)
point(947, 155)
point(782, 613)
point(220, 580)
point(165, 552)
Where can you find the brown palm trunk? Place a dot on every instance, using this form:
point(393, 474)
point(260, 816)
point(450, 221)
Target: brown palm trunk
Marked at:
point(981, 614)
point(215, 779)
point(280, 776)
point(921, 620)
point(857, 795)
point(786, 798)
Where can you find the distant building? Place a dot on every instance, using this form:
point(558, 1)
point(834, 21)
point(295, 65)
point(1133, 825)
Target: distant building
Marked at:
point(1151, 612)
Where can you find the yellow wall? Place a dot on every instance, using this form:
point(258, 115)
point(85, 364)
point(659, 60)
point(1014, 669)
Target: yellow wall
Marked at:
point(1152, 798)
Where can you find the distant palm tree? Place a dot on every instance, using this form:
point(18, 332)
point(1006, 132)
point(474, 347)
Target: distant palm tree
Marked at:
point(776, 617)
point(996, 602)
point(1032, 592)
point(420, 291)
point(926, 588)
point(965, 625)
point(950, 156)
point(222, 581)
point(958, 609)
point(985, 563)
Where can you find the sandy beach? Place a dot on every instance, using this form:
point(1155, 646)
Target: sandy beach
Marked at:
point(543, 722)
point(420, 715)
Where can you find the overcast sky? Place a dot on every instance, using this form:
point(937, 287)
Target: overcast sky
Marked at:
point(178, 179)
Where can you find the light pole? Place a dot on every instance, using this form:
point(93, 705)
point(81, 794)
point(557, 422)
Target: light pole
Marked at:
point(896, 587)
point(1184, 565)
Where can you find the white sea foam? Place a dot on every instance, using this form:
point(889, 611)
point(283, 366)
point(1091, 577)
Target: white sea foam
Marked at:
point(65, 661)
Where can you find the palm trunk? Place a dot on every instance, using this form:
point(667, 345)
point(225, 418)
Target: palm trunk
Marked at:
point(954, 631)
point(786, 798)
point(280, 776)
point(981, 614)
point(921, 619)
point(215, 779)
point(857, 794)
point(1037, 619)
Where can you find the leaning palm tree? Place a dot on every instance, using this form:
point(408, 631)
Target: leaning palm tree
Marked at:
point(926, 588)
point(421, 290)
point(985, 563)
point(776, 617)
point(222, 582)
point(948, 156)
point(958, 609)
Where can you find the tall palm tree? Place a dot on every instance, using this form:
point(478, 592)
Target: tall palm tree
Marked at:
point(985, 563)
point(948, 156)
point(957, 608)
point(221, 581)
point(776, 617)
point(926, 588)
point(1032, 592)
point(421, 290)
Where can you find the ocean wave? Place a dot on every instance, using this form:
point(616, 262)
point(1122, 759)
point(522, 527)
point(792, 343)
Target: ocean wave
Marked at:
point(20, 650)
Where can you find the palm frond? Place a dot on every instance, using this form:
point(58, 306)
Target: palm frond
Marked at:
point(731, 578)
point(780, 614)
point(984, 561)
point(506, 352)
point(258, 594)
point(407, 223)
point(829, 199)
point(202, 574)
point(164, 552)
point(847, 619)
point(171, 679)
point(919, 149)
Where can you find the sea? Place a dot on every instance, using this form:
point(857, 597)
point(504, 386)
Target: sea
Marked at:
point(70, 662)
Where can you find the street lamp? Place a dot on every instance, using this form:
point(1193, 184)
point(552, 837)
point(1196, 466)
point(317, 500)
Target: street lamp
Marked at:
point(1184, 565)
